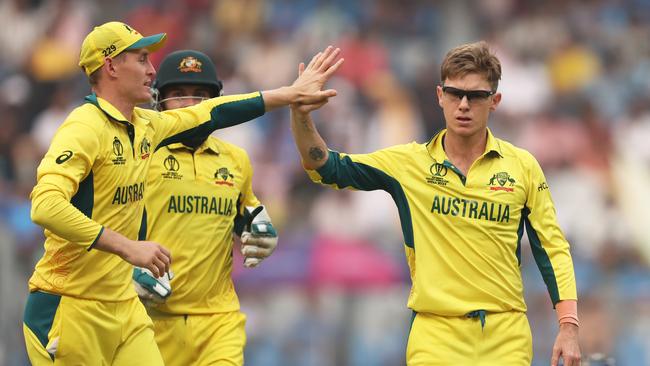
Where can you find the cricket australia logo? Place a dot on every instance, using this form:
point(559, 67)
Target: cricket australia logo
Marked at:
point(438, 171)
point(190, 64)
point(504, 180)
point(223, 177)
point(145, 148)
point(118, 151)
point(172, 165)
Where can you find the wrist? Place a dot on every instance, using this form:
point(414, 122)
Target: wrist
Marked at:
point(567, 312)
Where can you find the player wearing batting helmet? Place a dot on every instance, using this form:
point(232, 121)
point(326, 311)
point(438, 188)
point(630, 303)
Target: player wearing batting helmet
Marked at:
point(199, 194)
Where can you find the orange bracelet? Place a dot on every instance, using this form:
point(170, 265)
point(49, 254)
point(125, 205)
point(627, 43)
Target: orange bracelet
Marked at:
point(567, 312)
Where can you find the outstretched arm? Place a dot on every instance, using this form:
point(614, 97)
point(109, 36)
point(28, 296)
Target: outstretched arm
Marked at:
point(311, 146)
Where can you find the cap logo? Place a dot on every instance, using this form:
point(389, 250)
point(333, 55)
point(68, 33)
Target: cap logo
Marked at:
point(190, 64)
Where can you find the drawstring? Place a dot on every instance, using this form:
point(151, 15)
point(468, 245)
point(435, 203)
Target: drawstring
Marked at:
point(478, 314)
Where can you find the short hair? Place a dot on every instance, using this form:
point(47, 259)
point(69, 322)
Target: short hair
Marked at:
point(93, 78)
point(472, 58)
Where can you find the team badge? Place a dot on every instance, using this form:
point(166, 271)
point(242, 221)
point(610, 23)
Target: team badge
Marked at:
point(223, 177)
point(118, 151)
point(190, 64)
point(502, 181)
point(145, 147)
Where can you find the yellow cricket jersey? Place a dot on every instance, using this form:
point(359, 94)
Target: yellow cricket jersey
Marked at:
point(462, 234)
point(193, 198)
point(93, 176)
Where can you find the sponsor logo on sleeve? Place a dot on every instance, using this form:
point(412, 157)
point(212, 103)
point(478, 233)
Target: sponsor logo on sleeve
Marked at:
point(67, 154)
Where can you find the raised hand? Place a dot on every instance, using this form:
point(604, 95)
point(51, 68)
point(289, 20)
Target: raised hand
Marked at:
point(313, 77)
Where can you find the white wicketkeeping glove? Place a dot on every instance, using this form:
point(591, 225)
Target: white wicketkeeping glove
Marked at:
point(151, 290)
point(259, 238)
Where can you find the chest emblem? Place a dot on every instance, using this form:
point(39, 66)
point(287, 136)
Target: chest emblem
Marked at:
point(223, 177)
point(438, 172)
point(118, 151)
point(145, 148)
point(172, 165)
point(502, 181)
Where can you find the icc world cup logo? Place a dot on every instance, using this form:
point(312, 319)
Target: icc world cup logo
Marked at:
point(438, 170)
point(171, 164)
point(118, 149)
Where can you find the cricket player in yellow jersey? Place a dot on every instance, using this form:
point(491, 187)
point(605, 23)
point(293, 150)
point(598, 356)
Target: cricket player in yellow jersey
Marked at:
point(464, 199)
point(197, 191)
point(82, 308)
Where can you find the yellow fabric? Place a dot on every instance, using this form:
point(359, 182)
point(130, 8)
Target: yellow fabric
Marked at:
point(213, 339)
point(109, 40)
point(93, 175)
point(462, 238)
point(192, 200)
point(441, 341)
point(92, 332)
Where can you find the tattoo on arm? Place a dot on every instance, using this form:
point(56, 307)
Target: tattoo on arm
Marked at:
point(306, 125)
point(316, 153)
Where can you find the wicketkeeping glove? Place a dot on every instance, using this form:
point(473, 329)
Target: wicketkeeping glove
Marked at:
point(151, 290)
point(259, 238)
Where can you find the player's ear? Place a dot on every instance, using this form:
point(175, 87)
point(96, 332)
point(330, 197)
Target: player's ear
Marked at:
point(496, 99)
point(439, 94)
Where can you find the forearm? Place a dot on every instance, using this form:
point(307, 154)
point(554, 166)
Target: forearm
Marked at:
point(113, 242)
point(280, 97)
point(52, 211)
point(311, 146)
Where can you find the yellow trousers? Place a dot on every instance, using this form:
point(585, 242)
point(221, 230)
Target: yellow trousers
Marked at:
point(504, 340)
point(211, 339)
point(63, 330)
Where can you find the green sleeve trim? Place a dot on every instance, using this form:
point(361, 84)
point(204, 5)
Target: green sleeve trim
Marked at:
point(92, 245)
point(346, 173)
point(84, 199)
point(239, 220)
point(543, 262)
point(224, 115)
point(520, 234)
point(142, 233)
point(39, 314)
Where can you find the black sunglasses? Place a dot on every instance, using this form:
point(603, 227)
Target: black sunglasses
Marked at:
point(472, 95)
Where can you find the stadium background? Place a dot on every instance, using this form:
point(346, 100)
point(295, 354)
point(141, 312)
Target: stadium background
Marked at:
point(576, 86)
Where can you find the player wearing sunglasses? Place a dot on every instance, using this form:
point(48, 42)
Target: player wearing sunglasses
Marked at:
point(464, 199)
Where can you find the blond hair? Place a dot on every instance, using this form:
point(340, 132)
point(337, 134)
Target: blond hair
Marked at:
point(471, 58)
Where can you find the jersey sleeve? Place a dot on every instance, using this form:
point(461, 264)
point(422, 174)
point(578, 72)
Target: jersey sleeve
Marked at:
point(202, 119)
point(366, 172)
point(378, 170)
point(247, 196)
point(549, 246)
point(63, 176)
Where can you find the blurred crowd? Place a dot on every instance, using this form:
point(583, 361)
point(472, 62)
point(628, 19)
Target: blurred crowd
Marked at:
point(576, 93)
